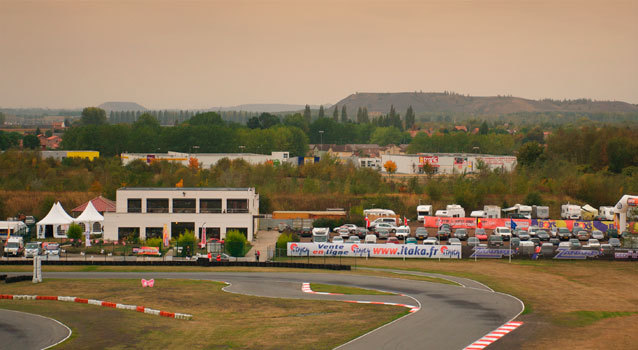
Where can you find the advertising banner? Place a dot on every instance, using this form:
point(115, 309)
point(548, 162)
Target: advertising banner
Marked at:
point(435, 221)
point(491, 253)
point(545, 224)
point(374, 250)
point(146, 251)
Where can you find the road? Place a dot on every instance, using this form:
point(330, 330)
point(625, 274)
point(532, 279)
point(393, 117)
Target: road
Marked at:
point(21, 330)
point(451, 316)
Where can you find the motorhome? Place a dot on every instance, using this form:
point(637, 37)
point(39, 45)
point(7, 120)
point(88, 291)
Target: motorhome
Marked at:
point(12, 228)
point(540, 212)
point(422, 211)
point(570, 212)
point(320, 234)
point(523, 211)
point(492, 211)
point(606, 213)
point(451, 211)
point(478, 214)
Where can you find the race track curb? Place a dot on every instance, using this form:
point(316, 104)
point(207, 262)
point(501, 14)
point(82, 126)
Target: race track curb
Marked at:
point(494, 336)
point(142, 309)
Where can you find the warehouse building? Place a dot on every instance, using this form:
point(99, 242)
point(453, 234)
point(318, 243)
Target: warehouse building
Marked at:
point(447, 163)
point(205, 160)
point(146, 212)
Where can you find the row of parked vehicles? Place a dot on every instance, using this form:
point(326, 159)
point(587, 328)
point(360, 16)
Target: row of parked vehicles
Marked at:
point(520, 211)
point(15, 247)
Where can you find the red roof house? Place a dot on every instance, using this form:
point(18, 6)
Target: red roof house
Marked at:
point(100, 203)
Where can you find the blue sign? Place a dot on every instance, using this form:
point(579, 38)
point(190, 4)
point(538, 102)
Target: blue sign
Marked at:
point(628, 255)
point(576, 254)
point(489, 253)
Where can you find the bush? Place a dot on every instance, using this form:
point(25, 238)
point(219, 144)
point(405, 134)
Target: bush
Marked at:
point(235, 243)
point(75, 233)
point(187, 241)
point(153, 242)
point(282, 242)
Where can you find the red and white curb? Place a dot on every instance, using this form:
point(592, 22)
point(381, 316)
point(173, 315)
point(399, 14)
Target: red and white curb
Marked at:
point(142, 309)
point(305, 287)
point(494, 336)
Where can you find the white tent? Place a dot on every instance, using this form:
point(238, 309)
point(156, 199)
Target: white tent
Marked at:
point(55, 223)
point(90, 220)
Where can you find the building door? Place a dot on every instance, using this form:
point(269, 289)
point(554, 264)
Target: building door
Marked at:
point(178, 228)
point(48, 231)
point(211, 232)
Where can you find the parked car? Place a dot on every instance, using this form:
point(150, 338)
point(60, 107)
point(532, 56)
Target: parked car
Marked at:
point(461, 234)
point(443, 235)
point(445, 227)
point(547, 249)
point(517, 232)
point(29, 220)
point(431, 241)
point(526, 247)
point(574, 243)
point(536, 241)
point(52, 248)
point(606, 248)
point(421, 233)
point(349, 227)
point(615, 243)
point(542, 235)
point(597, 234)
point(480, 234)
point(371, 238)
point(532, 230)
point(515, 242)
point(563, 245)
point(281, 227)
point(393, 240)
point(495, 241)
point(582, 235)
point(343, 232)
point(338, 239)
point(503, 232)
point(33, 249)
point(524, 236)
point(306, 231)
point(454, 241)
point(402, 232)
point(361, 232)
point(593, 244)
point(382, 233)
point(563, 234)
point(555, 241)
point(473, 241)
point(353, 239)
point(612, 233)
point(625, 234)
point(410, 240)
point(384, 225)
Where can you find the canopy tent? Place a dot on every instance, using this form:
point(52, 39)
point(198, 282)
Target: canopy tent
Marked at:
point(55, 223)
point(90, 220)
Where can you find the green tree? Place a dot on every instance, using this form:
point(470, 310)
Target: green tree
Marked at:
point(2, 118)
point(344, 114)
point(484, 129)
point(75, 233)
point(410, 118)
point(365, 117)
point(335, 113)
point(387, 135)
point(297, 120)
point(208, 118)
point(307, 115)
point(321, 112)
point(529, 153)
point(93, 116)
point(30, 141)
point(533, 198)
point(235, 243)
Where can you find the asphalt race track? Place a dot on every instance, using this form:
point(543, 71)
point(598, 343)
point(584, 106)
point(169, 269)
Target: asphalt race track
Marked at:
point(451, 316)
point(21, 330)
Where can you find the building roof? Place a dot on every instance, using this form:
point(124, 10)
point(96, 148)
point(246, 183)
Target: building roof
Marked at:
point(90, 214)
point(56, 216)
point(100, 203)
point(185, 189)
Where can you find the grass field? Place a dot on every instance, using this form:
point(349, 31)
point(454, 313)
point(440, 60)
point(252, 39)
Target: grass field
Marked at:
point(569, 304)
point(220, 320)
point(331, 288)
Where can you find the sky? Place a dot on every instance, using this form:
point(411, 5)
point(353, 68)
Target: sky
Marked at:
point(185, 54)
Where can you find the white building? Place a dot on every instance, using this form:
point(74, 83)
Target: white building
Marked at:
point(205, 160)
point(145, 212)
point(447, 163)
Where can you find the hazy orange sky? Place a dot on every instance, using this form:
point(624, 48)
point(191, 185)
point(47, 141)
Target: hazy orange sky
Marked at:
point(183, 54)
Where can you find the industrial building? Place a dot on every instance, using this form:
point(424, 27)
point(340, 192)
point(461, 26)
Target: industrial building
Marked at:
point(59, 155)
point(206, 159)
point(147, 212)
point(447, 163)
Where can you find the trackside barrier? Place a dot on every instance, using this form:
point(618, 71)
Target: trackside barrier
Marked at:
point(141, 309)
point(200, 262)
point(13, 279)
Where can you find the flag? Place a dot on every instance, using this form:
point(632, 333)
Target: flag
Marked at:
point(202, 243)
point(405, 221)
point(165, 236)
point(148, 283)
point(479, 224)
point(512, 224)
point(367, 223)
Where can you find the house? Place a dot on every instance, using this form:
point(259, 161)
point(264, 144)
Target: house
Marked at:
point(460, 128)
point(101, 204)
point(149, 212)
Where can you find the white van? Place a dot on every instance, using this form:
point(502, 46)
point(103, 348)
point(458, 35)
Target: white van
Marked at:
point(402, 232)
point(370, 239)
point(14, 246)
point(320, 234)
point(570, 212)
point(504, 232)
point(522, 210)
point(422, 211)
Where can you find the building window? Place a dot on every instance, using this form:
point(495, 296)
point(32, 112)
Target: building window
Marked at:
point(97, 227)
point(154, 232)
point(242, 230)
point(82, 226)
point(210, 205)
point(237, 205)
point(134, 206)
point(178, 228)
point(128, 234)
point(61, 231)
point(183, 205)
point(211, 232)
point(157, 205)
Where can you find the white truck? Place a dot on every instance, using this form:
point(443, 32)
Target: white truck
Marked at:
point(320, 234)
point(570, 212)
point(520, 210)
point(14, 246)
point(422, 211)
point(451, 211)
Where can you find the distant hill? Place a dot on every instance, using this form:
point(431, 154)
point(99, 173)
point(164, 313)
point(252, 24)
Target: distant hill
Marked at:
point(423, 103)
point(121, 106)
point(265, 107)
